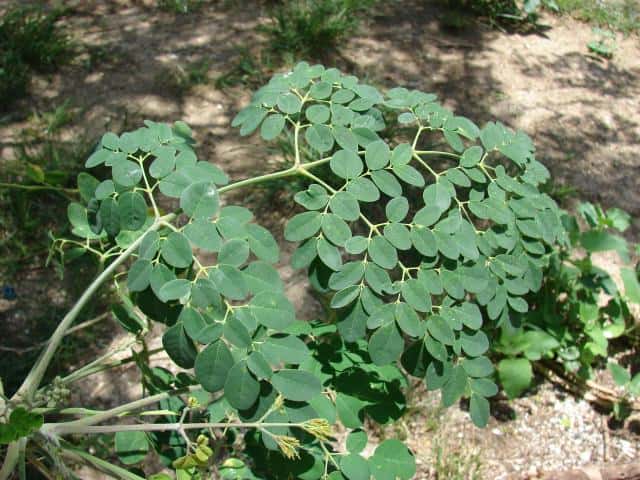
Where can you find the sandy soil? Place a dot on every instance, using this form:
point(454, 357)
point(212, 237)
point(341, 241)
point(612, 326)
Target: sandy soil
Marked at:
point(581, 111)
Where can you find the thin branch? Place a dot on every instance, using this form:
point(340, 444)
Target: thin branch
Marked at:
point(19, 186)
point(32, 382)
point(67, 429)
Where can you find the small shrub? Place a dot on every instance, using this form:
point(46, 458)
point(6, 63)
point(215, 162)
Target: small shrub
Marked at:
point(569, 324)
point(605, 43)
point(620, 15)
point(516, 13)
point(312, 28)
point(30, 40)
point(180, 6)
point(36, 184)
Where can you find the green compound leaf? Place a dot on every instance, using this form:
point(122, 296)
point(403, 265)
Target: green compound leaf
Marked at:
point(440, 329)
point(127, 173)
point(397, 209)
point(318, 114)
point(273, 310)
point(109, 216)
point(131, 447)
point(349, 410)
point(203, 234)
point(286, 350)
point(302, 226)
point(176, 251)
point(479, 410)
point(229, 281)
point(356, 441)
point(345, 205)
point(289, 103)
point(329, 254)
point(262, 243)
point(234, 252)
point(272, 126)
point(392, 460)
point(383, 253)
point(355, 467)
point(471, 156)
point(515, 375)
point(200, 200)
point(212, 366)
point(174, 289)
point(386, 344)
point(132, 210)
point(179, 346)
point(139, 275)
point(335, 229)
point(297, 385)
point(319, 137)
point(241, 389)
point(346, 164)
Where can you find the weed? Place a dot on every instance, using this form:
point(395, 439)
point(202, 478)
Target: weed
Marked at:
point(312, 28)
point(451, 464)
point(30, 40)
point(510, 13)
point(34, 185)
point(620, 15)
point(604, 45)
point(248, 70)
point(179, 80)
point(180, 6)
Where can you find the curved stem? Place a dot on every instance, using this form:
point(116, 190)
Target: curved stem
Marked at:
point(80, 456)
point(262, 178)
point(32, 382)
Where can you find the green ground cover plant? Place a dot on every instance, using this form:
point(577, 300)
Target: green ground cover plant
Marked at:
point(30, 41)
point(419, 287)
point(499, 13)
point(579, 312)
point(311, 28)
point(620, 15)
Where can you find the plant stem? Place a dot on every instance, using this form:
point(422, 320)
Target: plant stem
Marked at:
point(10, 460)
point(67, 429)
point(37, 187)
point(79, 456)
point(262, 178)
point(32, 382)
point(437, 152)
point(97, 366)
point(125, 408)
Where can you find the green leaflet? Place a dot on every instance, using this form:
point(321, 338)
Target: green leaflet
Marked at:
point(241, 389)
point(296, 385)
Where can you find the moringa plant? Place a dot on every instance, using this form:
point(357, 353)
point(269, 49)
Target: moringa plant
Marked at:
point(422, 253)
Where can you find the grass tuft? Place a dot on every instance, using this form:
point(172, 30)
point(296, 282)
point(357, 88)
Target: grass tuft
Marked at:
point(30, 41)
point(620, 15)
point(312, 28)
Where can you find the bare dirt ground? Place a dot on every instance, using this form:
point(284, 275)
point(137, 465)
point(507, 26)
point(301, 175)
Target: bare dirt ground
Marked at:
point(581, 111)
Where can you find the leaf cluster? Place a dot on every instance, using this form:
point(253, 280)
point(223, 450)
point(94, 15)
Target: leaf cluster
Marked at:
point(423, 255)
point(578, 330)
